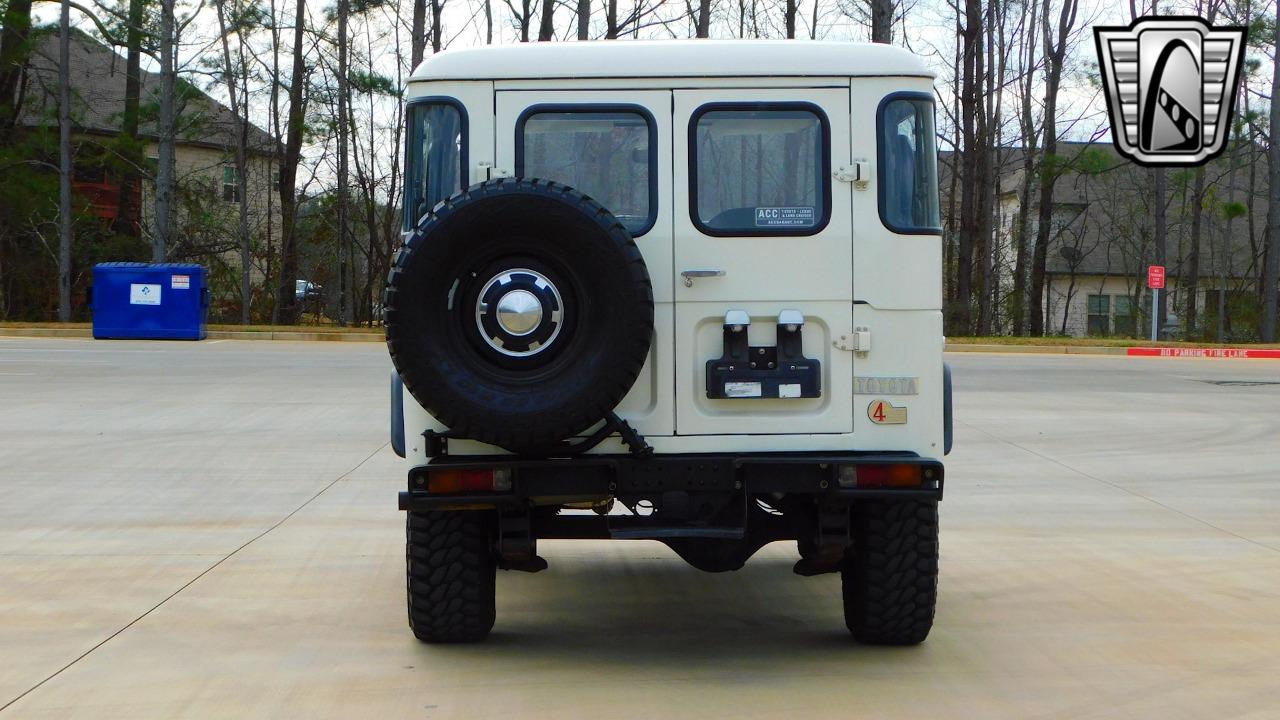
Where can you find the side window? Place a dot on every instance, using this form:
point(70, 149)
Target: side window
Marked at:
point(908, 165)
point(436, 156)
point(607, 152)
point(759, 169)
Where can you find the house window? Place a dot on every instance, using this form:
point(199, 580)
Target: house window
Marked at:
point(230, 188)
point(1125, 321)
point(760, 169)
point(1099, 309)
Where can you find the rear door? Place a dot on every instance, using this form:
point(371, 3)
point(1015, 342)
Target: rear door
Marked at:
point(616, 147)
point(761, 228)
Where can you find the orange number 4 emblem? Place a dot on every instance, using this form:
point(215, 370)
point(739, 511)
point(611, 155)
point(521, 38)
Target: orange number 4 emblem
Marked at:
point(883, 412)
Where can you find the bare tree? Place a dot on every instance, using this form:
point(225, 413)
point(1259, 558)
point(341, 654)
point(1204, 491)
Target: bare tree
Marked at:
point(343, 127)
point(14, 51)
point(701, 18)
point(584, 19)
point(972, 161)
point(522, 16)
point(1028, 34)
point(881, 21)
point(238, 106)
point(1271, 274)
point(286, 293)
point(1055, 57)
point(166, 171)
point(64, 163)
point(128, 218)
point(546, 24)
point(418, 32)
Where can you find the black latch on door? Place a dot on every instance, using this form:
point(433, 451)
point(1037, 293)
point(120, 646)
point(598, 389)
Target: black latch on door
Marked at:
point(758, 372)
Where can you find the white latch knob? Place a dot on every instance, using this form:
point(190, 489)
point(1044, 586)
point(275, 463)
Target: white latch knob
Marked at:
point(792, 320)
point(737, 320)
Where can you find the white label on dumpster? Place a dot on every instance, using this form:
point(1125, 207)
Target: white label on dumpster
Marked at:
point(181, 282)
point(144, 294)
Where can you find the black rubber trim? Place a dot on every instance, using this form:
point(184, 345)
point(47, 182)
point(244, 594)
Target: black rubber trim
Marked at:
point(397, 413)
point(824, 172)
point(600, 109)
point(947, 417)
point(881, 198)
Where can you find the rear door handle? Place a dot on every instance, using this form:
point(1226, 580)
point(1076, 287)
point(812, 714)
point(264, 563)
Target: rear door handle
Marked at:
point(689, 275)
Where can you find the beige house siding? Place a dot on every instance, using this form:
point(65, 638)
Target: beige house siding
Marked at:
point(1063, 297)
point(200, 174)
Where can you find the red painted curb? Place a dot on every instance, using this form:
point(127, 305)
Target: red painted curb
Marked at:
point(1247, 353)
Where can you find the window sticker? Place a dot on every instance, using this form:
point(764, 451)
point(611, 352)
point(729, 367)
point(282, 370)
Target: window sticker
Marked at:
point(786, 216)
point(140, 294)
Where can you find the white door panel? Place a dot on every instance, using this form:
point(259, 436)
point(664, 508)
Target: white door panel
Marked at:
point(757, 273)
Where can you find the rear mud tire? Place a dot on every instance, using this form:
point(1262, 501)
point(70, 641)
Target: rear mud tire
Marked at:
point(451, 569)
point(890, 574)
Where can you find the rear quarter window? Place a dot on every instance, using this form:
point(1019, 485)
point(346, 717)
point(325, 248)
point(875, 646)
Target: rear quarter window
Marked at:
point(908, 165)
point(435, 154)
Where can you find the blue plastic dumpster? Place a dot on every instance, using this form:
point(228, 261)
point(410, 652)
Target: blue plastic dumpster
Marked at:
point(140, 301)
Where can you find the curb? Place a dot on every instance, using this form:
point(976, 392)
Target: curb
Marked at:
point(1226, 353)
point(296, 336)
point(1035, 349)
point(289, 335)
point(46, 332)
point(1170, 352)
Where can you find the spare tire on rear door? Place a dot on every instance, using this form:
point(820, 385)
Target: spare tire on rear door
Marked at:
point(519, 313)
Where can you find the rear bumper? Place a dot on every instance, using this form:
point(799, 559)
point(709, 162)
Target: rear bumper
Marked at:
point(623, 476)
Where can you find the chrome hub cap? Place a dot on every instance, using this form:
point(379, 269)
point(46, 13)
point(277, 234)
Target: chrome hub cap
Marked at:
point(519, 313)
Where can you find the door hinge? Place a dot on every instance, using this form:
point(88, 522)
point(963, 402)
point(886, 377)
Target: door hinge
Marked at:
point(857, 173)
point(858, 341)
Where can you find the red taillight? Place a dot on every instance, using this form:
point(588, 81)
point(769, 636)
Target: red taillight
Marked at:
point(460, 481)
point(880, 476)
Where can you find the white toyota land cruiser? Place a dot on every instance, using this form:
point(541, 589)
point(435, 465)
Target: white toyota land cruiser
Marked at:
point(687, 291)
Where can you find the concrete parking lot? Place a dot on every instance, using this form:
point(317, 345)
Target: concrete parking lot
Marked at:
point(209, 531)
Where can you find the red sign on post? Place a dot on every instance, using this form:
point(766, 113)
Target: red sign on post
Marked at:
point(1155, 277)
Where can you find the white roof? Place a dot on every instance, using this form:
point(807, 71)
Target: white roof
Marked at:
point(671, 58)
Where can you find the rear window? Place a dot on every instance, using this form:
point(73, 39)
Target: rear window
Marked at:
point(608, 152)
point(759, 169)
point(436, 156)
point(908, 165)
